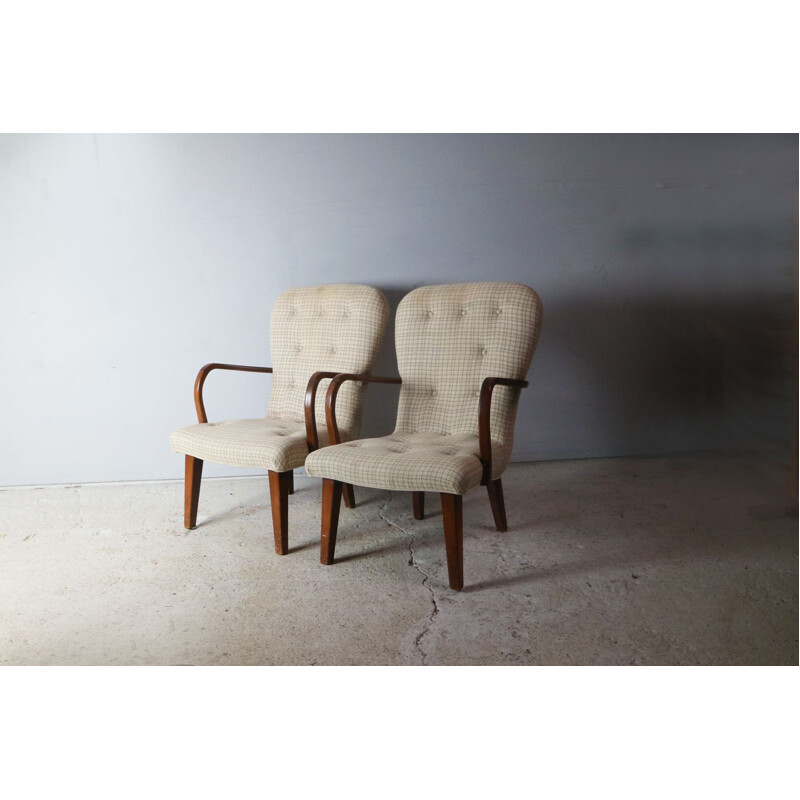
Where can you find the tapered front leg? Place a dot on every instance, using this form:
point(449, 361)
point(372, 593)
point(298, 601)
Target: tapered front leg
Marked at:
point(453, 539)
point(418, 499)
point(191, 491)
point(279, 483)
point(349, 496)
point(331, 500)
point(498, 505)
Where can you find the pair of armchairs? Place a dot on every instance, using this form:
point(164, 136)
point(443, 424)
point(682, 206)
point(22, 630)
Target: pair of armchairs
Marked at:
point(463, 351)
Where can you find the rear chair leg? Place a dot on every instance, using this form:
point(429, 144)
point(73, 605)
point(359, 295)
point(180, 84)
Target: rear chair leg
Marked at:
point(453, 539)
point(191, 491)
point(291, 481)
point(331, 500)
point(419, 504)
point(279, 483)
point(498, 504)
point(349, 496)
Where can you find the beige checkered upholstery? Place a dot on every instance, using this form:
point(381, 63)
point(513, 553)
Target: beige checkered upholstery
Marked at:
point(336, 328)
point(448, 339)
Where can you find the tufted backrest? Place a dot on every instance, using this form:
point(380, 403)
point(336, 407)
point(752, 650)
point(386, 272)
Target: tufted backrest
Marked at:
point(448, 339)
point(336, 328)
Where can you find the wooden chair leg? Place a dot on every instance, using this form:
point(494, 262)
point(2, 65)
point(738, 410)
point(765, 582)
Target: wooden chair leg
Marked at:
point(453, 539)
point(498, 504)
point(290, 481)
point(349, 496)
point(331, 500)
point(279, 499)
point(419, 504)
point(191, 491)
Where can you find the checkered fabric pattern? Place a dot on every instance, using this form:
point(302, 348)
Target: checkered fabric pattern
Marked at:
point(421, 462)
point(335, 328)
point(267, 443)
point(448, 339)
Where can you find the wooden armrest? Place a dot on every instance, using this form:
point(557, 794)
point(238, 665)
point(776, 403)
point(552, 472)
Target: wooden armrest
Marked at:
point(484, 419)
point(333, 390)
point(312, 438)
point(201, 379)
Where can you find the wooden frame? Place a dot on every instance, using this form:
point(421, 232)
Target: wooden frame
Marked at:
point(312, 437)
point(418, 503)
point(484, 420)
point(279, 503)
point(201, 379)
point(451, 503)
point(333, 390)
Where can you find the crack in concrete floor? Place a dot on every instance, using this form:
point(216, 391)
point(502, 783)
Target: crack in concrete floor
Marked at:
point(426, 580)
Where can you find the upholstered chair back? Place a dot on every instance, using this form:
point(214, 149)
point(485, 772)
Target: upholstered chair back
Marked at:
point(335, 328)
point(448, 339)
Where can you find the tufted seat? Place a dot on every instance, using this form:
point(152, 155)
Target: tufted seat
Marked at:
point(463, 351)
point(411, 462)
point(267, 443)
point(315, 332)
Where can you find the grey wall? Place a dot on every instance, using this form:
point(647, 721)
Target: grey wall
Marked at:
point(128, 261)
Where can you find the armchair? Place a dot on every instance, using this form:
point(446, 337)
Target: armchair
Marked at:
point(316, 333)
point(463, 351)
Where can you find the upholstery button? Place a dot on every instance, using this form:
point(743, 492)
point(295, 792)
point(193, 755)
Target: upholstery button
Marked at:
point(484, 351)
point(433, 392)
point(477, 393)
point(463, 312)
point(498, 311)
point(430, 313)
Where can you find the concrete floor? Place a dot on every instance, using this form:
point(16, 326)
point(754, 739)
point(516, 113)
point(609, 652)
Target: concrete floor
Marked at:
point(613, 561)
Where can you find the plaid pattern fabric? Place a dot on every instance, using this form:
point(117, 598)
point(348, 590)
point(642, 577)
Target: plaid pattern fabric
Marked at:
point(335, 328)
point(448, 339)
point(266, 443)
point(421, 462)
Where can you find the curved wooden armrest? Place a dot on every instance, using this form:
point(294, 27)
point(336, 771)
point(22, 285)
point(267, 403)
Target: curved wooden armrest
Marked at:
point(484, 419)
point(201, 379)
point(333, 390)
point(312, 438)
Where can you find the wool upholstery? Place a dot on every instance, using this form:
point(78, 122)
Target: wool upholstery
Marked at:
point(448, 339)
point(334, 328)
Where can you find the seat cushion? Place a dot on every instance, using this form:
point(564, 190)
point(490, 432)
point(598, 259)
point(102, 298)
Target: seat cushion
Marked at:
point(268, 443)
point(404, 462)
